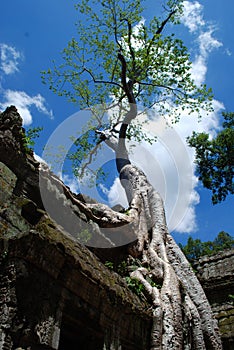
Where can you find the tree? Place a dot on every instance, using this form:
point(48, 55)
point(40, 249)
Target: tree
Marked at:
point(215, 159)
point(223, 241)
point(194, 248)
point(125, 66)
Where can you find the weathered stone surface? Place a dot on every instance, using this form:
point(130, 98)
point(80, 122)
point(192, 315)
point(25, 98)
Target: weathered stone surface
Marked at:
point(216, 274)
point(54, 292)
point(217, 271)
point(57, 292)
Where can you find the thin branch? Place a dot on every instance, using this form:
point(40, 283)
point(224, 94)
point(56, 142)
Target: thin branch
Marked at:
point(132, 53)
point(115, 30)
point(96, 81)
point(127, 87)
point(92, 153)
point(166, 87)
point(160, 29)
point(113, 72)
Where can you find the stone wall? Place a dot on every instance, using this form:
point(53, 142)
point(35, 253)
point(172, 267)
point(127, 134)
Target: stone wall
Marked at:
point(57, 294)
point(54, 292)
point(216, 274)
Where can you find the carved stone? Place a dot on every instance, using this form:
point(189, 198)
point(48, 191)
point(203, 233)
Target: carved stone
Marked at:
point(57, 294)
point(54, 292)
point(216, 274)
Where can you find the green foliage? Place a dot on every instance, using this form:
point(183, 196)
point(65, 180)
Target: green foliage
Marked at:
point(84, 236)
point(231, 297)
point(135, 285)
point(223, 241)
point(156, 68)
point(194, 248)
point(123, 269)
point(152, 283)
point(55, 157)
point(83, 152)
point(157, 64)
point(30, 135)
point(109, 264)
point(215, 159)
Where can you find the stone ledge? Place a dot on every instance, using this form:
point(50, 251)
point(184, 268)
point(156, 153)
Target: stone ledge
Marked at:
point(53, 272)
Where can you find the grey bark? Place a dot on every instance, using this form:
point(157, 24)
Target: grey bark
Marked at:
point(182, 315)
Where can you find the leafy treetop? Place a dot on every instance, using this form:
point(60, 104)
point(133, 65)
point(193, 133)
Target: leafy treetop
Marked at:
point(119, 58)
point(215, 159)
point(194, 248)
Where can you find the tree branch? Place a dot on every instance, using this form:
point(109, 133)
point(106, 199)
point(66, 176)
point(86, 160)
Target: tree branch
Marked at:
point(108, 138)
point(127, 87)
point(92, 153)
point(160, 29)
point(132, 53)
point(96, 81)
point(174, 90)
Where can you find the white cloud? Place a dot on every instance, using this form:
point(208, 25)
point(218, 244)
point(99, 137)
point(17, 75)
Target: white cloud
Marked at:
point(199, 70)
point(228, 52)
point(103, 188)
point(193, 15)
point(193, 19)
point(184, 217)
point(207, 43)
point(169, 167)
point(188, 223)
point(71, 182)
point(117, 194)
point(9, 59)
point(169, 164)
point(24, 103)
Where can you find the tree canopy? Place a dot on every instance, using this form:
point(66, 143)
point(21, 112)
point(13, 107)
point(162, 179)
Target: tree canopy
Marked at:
point(119, 58)
point(120, 66)
point(195, 248)
point(215, 159)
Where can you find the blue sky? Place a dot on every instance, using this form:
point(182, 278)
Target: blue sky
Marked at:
point(32, 34)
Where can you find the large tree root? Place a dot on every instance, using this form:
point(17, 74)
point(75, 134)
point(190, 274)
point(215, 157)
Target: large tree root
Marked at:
point(182, 315)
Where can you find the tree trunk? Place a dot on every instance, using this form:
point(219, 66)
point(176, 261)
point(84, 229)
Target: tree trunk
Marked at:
point(182, 315)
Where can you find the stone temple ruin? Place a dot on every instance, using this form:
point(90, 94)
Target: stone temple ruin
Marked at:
point(57, 294)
